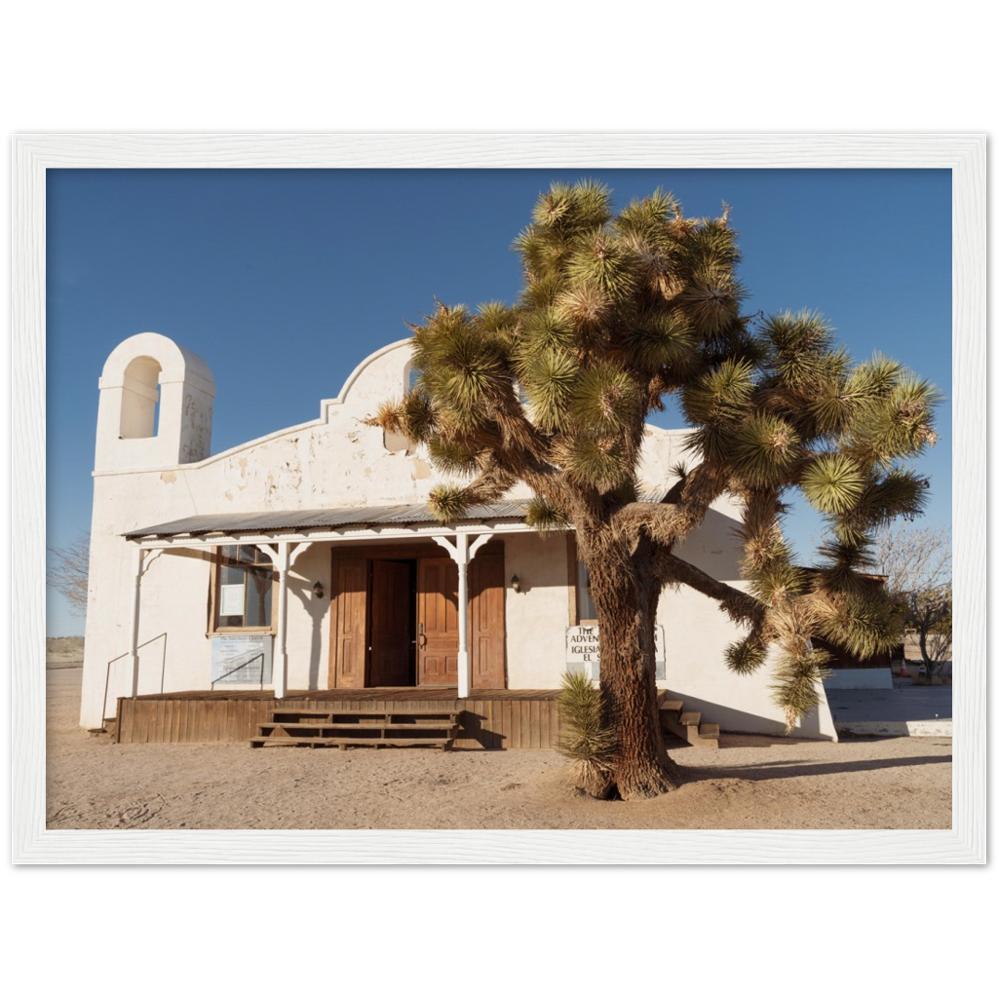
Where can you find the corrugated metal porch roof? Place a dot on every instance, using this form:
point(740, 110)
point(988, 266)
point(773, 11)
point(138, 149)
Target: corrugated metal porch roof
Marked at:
point(303, 520)
point(404, 515)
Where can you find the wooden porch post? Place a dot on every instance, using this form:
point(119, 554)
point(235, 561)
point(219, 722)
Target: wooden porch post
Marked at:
point(462, 554)
point(281, 667)
point(138, 555)
point(462, 559)
point(283, 556)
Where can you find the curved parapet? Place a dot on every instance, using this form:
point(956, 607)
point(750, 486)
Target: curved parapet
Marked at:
point(382, 375)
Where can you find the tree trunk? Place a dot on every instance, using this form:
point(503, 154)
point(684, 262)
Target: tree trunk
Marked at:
point(626, 604)
point(928, 662)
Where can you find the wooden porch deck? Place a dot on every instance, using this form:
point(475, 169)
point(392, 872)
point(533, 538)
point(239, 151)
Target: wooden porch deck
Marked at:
point(490, 720)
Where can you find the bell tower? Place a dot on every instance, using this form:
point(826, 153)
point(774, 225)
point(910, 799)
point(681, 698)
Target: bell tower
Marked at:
point(155, 408)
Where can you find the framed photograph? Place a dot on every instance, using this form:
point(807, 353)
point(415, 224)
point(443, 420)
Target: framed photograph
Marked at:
point(281, 351)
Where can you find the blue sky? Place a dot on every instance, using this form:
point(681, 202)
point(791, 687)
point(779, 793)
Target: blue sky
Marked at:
point(283, 280)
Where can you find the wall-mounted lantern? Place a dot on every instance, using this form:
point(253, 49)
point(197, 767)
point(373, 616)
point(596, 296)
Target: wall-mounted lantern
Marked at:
point(318, 590)
point(515, 584)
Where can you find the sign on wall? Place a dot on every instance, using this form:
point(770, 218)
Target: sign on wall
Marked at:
point(231, 599)
point(241, 659)
point(583, 651)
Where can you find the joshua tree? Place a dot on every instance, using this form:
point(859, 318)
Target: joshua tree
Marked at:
point(618, 312)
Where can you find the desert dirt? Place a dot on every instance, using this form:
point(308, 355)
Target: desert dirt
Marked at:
point(64, 649)
point(749, 783)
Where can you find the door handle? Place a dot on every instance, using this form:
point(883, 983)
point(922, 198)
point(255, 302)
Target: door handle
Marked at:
point(421, 637)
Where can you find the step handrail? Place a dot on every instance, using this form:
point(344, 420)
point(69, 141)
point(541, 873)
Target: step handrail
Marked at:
point(241, 666)
point(128, 652)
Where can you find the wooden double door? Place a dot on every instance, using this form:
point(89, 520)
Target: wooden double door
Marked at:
point(394, 619)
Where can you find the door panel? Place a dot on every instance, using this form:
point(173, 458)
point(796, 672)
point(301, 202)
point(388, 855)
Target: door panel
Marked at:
point(348, 623)
point(487, 593)
point(437, 616)
point(391, 627)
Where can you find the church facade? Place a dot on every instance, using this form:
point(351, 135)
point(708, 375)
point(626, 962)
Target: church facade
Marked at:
point(307, 561)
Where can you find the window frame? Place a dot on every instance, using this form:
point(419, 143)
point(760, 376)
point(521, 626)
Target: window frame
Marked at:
point(573, 568)
point(582, 575)
point(221, 561)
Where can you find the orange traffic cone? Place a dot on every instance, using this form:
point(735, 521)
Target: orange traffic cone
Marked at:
point(902, 671)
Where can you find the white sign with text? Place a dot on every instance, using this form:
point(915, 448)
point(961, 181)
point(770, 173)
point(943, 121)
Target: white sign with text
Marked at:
point(241, 659)
point(583, 651)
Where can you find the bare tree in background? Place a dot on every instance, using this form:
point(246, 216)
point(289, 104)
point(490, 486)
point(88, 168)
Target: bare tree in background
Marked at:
point(917, 562)
point(69, 571)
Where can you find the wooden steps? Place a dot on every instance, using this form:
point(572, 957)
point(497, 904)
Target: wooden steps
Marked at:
point(346, 743)
point(403, 728)
point(110, 727)
point(687, 725)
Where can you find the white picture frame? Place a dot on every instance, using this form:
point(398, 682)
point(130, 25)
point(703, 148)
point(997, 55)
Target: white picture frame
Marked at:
point(964, 154)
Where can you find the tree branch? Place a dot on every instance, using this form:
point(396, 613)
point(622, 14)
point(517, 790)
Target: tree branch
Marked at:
point(739, 606)
point(668, 523)
point(491, 484)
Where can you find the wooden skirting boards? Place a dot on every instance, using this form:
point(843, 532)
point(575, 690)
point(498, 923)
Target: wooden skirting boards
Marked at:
point(508, 720)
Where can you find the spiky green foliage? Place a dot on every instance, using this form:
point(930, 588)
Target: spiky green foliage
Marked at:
point(454, 457)
point(572, 208)
point(896, 423)
point(841, 566)
point(900, 492)
point(777, 579)
point(872, 380)
point(798, 681)
point(859, 620)
point(711, 301)
point(746, 655)
point(833, 483)
point(618, 312)
point(660, 339)
point(585, 737)
point(722, 394)
point(548, 377)
point(449, 502)
point(388, 416)
point(543, 516)
point(604, 399)
point(597, 462)
point(799, 349)
point(765, 450)
point(416, 416)
point(643, 220)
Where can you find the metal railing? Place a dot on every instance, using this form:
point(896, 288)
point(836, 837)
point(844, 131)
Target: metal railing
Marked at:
point(128, 652)
point(241, 666)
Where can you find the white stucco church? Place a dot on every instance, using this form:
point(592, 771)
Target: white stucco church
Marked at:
point(307, 561)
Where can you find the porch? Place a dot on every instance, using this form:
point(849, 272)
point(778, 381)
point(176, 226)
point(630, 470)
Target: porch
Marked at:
point(408, 601)
point(488, 720)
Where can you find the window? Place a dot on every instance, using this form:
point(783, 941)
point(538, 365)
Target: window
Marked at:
point(581, 603)
point(395, 441)
point(244, 592)
point(585, 610)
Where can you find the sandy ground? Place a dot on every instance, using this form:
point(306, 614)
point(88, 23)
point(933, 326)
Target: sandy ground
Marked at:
point(750, 783)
